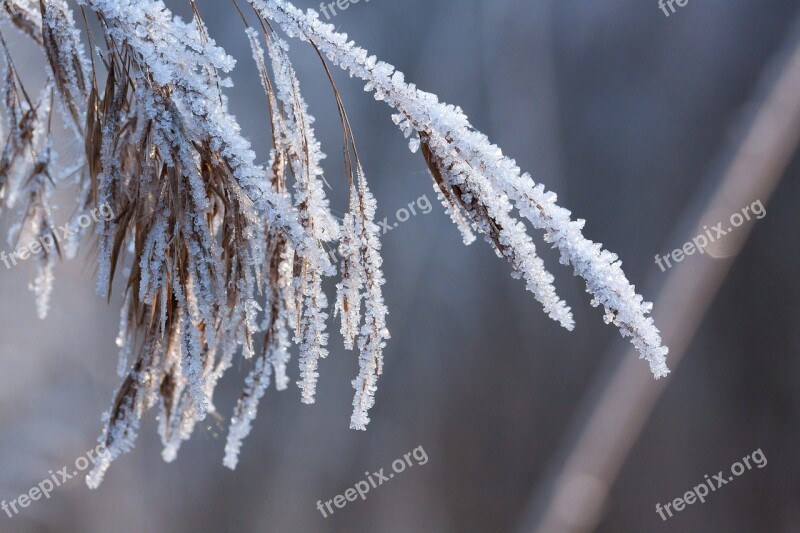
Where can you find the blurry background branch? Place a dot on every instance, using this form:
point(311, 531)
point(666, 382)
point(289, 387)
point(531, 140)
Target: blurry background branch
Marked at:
point(573, 495)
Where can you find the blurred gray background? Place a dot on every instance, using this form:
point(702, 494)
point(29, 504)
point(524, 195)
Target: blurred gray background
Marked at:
point(619, 110)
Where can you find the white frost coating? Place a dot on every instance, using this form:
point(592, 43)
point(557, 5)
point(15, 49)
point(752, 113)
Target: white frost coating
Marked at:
point(29, 181)
point(348, 291)
point(40, 226)
point(296, 139)
point(175, 55)
point(121, 341)
point(256, 385)
point(284, 316)
point(465, 147)
point(58, 26)
point(374, 332)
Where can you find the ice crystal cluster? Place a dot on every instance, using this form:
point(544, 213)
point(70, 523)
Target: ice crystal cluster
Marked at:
point(216, 255)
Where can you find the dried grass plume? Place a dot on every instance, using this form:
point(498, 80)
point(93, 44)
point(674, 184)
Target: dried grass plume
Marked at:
point(216, 256)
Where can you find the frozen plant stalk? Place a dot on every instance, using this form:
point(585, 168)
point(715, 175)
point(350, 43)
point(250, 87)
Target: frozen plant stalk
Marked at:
point(217, 255)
